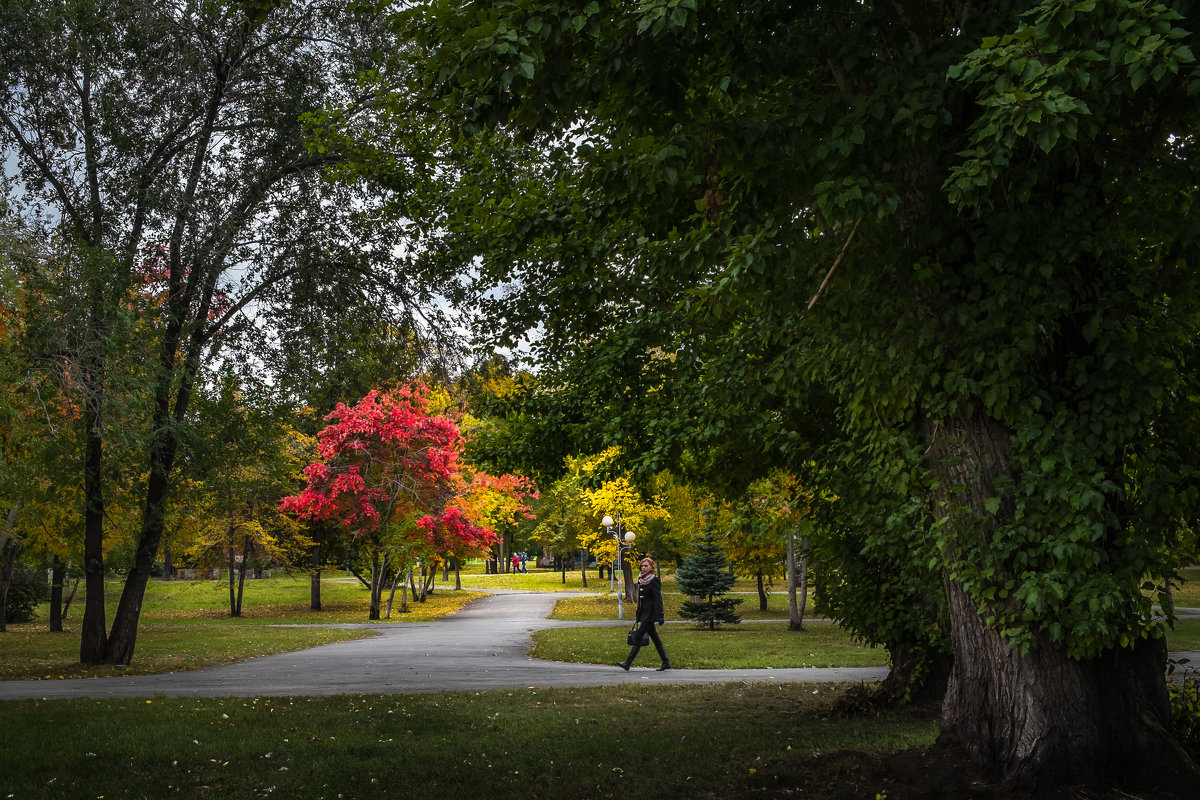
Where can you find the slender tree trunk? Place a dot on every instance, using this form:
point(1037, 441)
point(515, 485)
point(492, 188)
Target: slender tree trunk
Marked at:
point(93, 639)
point(364, 581)
point(168, 563)
point(9, 556)
point(457, 576)
point(404, 594)
point(627, 577)
point(802, 578)
point(247, 548)
point(123, 636)
point(230, 555)
point(70, 595)
point(58, 576)
point(392, 593)
point(762, 592)
point(314, 584)
point(229, 569)
point(795, 618)
point(376, 582)
point(94, 643)
point(1042, 719)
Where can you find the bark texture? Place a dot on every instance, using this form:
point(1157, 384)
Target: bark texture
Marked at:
point(1040, 719)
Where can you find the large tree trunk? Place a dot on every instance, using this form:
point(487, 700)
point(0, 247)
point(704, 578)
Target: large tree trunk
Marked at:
point(1041, 720)
point(163, 447)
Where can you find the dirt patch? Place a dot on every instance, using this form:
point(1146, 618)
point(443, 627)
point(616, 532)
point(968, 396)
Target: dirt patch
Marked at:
point(933, 773)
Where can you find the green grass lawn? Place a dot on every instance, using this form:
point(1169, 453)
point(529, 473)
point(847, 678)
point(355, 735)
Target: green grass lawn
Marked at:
point(1188, 595)
point(186, 625)
point(282, 598)
point(699, 743)
point(822, 644)
point(604, 607)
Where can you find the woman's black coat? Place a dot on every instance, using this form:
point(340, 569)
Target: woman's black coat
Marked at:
point(650, 602)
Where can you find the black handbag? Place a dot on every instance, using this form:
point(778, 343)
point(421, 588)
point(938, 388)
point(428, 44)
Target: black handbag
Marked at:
point(631, 637)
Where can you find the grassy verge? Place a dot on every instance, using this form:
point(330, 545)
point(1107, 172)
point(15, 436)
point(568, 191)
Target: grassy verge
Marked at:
point(1188, 595)
point(627, 742)
point(161, 647)
point(1185, 636)
point(604, 607)
point(546, 580)
point(186, 625)
point(284, 599)
point(823, 644)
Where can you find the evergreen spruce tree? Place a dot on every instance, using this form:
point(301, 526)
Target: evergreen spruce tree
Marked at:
point(706, 574)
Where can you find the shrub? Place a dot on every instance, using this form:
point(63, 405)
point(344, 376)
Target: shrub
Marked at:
point(25, 591)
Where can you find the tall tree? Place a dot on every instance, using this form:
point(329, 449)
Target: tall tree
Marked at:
point(616, 496)
point(784, 504)
point(563, 518)
point(239, 462)
point(960, 230)
point(180, 132)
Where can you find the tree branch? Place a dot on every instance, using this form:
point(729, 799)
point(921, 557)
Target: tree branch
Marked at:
point(837, 261)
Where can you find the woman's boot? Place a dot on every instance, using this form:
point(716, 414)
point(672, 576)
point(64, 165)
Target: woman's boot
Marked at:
point(629, 660)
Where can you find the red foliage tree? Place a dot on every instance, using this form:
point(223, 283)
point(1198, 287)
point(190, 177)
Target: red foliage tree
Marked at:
point(385, 461)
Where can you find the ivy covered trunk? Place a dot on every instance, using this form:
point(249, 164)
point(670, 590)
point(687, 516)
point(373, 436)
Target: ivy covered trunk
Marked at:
point(1039, 718)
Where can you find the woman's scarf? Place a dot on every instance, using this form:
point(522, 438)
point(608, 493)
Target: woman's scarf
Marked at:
point(644, 580)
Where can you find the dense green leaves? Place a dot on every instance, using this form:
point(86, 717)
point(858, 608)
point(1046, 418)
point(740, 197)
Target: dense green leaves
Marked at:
point(1023, 184)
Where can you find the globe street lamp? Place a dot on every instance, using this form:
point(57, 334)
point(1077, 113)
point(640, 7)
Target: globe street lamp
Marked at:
point(624, 542)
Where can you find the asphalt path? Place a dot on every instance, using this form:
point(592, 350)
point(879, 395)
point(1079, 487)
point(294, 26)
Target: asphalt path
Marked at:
point(482, 647)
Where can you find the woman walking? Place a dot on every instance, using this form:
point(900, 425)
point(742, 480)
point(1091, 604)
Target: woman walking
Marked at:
point(649, 611)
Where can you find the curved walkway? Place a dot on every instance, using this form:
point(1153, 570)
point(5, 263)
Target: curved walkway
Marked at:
point(481, 647)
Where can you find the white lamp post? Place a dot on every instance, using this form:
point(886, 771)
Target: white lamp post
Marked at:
point(624, 542)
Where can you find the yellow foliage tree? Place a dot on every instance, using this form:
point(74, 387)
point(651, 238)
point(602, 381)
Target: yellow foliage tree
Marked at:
point(620, 499)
